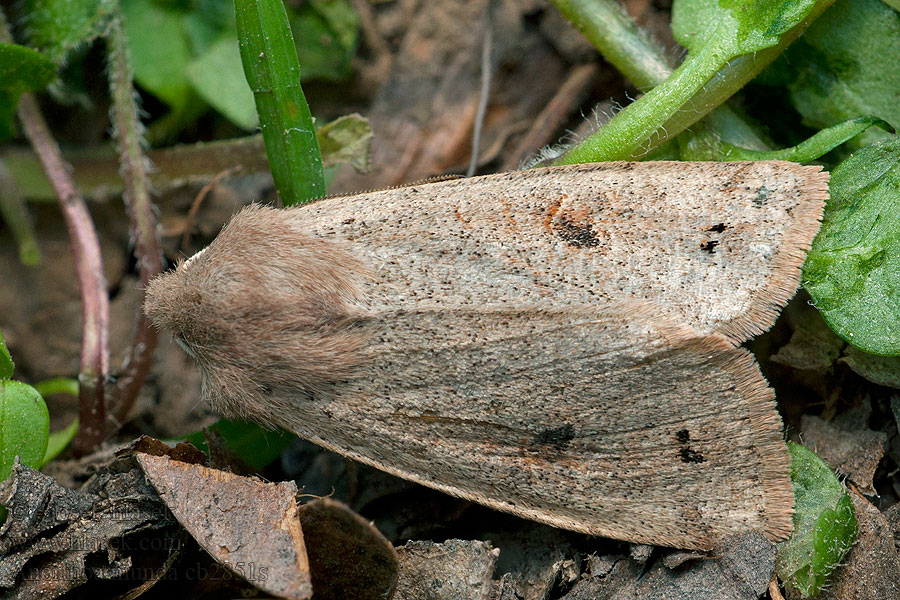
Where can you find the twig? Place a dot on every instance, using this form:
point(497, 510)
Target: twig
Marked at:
point(198, 201)
point(129, 134)
point(774, 590)
point(376, 43)
point(486, 51)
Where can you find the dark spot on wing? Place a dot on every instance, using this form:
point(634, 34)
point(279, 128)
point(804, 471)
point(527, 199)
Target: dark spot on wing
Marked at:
point(719, 228)
point(691, 456)
point(683, 436)
point(709, 246)
point(580, 236)
point(556, 436)
point(762, 195)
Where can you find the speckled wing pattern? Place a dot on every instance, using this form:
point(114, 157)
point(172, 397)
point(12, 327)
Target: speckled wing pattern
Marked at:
point(557, 343)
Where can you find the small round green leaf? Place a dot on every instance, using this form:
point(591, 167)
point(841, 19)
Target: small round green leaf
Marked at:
point(24, 426)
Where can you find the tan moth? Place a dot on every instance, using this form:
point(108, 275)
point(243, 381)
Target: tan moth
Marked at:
point(559, 343)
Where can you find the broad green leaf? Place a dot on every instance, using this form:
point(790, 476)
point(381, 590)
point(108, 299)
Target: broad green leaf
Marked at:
point(852, 270)
point(256, 446)
point(21, 69)
point(846, 64)
point(59, 26)
point(218, 77)
point(24, 426)
point(159, 50)
point(58, 441)
point(346, 139)
point(272, 70)
point(735, 26)
point(325, 32)
point(6, 362)
point(824, 525)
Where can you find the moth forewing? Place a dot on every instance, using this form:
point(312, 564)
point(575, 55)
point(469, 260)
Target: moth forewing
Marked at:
point(599, 420)
point(716, 246)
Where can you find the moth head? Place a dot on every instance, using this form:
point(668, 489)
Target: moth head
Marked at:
point(266, 307)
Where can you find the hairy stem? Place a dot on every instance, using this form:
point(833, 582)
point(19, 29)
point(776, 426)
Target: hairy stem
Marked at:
point(622, 43)
point(128, 131)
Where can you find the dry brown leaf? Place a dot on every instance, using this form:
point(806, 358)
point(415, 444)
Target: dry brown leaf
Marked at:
point(348, 556)
point(247, 525)
point(854, 452)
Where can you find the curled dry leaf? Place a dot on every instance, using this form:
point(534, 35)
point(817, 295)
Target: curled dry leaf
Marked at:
point(249, 526)
point(57, 539)
point(348, 556)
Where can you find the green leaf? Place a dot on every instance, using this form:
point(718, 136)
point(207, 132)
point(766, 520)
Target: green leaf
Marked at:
point(6, 362)
point(824, 525)
point(58, 441)
point(218, 77)
point(809, 150)
point(160, 52)
point(21, 69)
point(846, 65)
point(57, 385)
point(852, 270)
point(326, 33)
point(256, 446)
point(59, 26)
point(272, 70)
point(346, 139)
point(24, 426)
point(735, 26)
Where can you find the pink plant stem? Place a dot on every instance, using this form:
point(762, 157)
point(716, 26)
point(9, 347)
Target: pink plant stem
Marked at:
point(89, 269)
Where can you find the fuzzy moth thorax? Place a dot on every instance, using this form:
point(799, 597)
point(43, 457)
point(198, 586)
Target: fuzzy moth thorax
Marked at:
point(265, 310)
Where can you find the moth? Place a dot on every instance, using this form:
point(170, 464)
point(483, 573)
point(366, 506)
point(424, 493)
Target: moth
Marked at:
point(559, 343)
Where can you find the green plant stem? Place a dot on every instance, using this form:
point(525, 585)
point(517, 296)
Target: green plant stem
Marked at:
point(621, 42)
point(735, 75)
point(273, 73)
point(814, 147)
point(611, 31)
point(128, 132)
point(15, 215)
point(94, 363)
point(59, 385)
point(628, 133)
